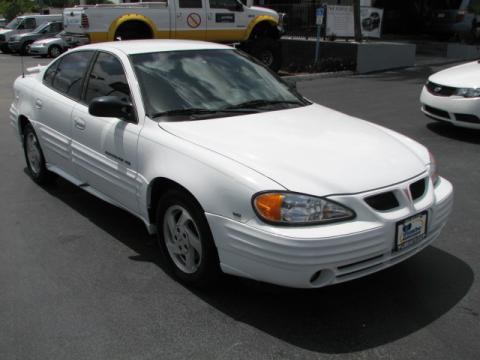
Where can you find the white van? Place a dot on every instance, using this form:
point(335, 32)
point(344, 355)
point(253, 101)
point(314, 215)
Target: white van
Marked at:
point(22, 24)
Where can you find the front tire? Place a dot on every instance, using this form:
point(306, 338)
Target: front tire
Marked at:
point(54, 51)
point(36, 165)
point(185, 239)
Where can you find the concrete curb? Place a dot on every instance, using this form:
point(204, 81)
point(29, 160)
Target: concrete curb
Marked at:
point(315, 76)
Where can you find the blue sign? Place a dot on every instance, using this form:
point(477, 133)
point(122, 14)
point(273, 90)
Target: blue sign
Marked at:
point(320, 12)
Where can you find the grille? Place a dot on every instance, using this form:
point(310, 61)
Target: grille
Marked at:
point(417, 189)
point(440, 90)
point(437, 112)
point(383, 202)
point(467, 118)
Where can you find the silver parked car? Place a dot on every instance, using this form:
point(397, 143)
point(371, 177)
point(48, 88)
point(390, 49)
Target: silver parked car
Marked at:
point(51, 47)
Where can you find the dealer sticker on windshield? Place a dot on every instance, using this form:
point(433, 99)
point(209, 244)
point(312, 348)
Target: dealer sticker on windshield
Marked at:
point(410, 231)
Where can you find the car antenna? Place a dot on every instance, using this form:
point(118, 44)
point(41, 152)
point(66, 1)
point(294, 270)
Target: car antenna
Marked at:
point(23, 65)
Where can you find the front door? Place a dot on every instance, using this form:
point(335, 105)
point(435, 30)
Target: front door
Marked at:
point(226, 21)
point(190, 19)
point(104, 150)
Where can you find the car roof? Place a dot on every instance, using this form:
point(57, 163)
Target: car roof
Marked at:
point(130, 47)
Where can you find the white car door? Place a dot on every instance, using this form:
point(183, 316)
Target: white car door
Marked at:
point(226, 20)
point(190, 19)
point(53, 105)
point(104, 149)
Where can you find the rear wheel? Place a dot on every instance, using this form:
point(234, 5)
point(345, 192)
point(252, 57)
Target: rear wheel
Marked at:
point(54, 51)
point(133, 30)
point(5, 49)
point(25, 47)
point(34, 157)
point(267, 51)
point(185, 239)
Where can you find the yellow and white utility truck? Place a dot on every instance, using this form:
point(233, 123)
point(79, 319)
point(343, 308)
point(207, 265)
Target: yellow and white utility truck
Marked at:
point(257, 30)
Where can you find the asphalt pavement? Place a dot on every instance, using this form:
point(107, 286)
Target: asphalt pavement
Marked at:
point(81, 279)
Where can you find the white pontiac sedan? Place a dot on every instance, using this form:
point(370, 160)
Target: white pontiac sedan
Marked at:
point(233, 169)
point(453, 95)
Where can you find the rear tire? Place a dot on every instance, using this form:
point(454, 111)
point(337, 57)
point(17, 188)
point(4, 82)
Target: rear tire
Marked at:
point(185, 239)
point(267, 51)
point(25, 47)
point(5, 49)
point(36, 165)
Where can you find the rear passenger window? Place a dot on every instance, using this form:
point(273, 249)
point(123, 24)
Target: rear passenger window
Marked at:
point(70, 73)
point(50, 74)
point(107, 79)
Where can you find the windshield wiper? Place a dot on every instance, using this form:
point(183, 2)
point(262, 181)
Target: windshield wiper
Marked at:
point(255, 104)
point(198, 111)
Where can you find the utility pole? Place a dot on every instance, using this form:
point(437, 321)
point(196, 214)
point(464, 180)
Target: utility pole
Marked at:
point(356, 20)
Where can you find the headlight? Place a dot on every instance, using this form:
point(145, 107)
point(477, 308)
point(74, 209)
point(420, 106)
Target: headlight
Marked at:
point(433, 170)
point(286, 208)
point(468, 92)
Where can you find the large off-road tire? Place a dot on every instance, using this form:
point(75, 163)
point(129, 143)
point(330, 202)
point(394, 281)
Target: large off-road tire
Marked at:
point(133, 30)
point(185, 239)
point(34, 156)
point(5, 49)
point(268, 51)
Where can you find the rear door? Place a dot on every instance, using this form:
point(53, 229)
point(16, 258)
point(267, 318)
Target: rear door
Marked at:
point(54, 103)
point(190, 19)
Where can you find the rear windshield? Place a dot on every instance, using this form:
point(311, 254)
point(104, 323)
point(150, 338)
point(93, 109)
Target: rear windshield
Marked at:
point(446, 4)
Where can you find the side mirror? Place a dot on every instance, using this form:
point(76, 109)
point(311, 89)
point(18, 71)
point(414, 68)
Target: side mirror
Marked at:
point(112, 106)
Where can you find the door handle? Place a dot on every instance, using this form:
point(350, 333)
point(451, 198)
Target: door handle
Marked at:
point(38, 103)
point(79, 123)
point(179, 15)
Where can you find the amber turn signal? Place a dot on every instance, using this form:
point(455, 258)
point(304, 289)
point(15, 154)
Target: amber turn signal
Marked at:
point(269, 206)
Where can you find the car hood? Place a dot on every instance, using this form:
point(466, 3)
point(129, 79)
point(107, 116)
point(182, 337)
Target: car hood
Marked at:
point(465, 75)
point(5, 31)
point(311, 149)
point(47, 41)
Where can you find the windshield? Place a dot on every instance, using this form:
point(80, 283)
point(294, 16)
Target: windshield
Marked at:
point(13, 24)
point(179, 82)
point(40, 28)
point(446, 4)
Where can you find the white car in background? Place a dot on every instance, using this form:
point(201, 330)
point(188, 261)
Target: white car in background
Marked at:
point(453, 95)
point(51, 47)
point(233, 169)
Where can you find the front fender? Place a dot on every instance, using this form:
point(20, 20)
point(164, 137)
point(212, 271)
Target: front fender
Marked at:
point(221, 185)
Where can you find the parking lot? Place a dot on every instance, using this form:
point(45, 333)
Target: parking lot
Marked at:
point(81, 279)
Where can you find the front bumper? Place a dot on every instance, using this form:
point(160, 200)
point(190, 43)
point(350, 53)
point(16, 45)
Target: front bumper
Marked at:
point(311, 257)
point(38, 50)
point(457, 110)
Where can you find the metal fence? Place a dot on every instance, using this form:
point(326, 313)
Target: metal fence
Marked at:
point(300, 19)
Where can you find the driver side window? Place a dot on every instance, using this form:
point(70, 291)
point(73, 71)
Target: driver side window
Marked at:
point(30, 23)
point(107, 79)
point(223, 4)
